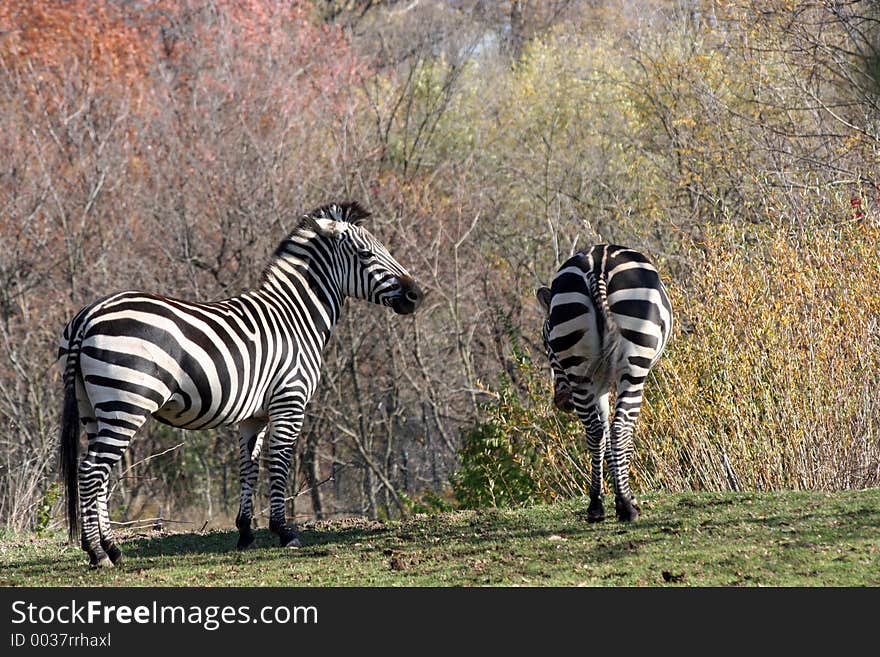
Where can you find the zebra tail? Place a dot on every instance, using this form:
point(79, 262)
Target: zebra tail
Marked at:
point(69, 450)
point(604, 367)
point(258, 444)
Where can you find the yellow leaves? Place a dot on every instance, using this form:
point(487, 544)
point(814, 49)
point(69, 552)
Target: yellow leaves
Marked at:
point(777, 319)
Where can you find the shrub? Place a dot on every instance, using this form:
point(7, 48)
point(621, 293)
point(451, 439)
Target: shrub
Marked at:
point(522, 452)
point(777, 366)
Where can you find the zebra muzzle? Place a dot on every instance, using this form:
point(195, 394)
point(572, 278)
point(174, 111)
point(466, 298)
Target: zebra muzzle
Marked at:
point(408, 298)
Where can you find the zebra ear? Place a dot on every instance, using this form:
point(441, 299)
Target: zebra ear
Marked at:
point(309, 222)
point(544, 295)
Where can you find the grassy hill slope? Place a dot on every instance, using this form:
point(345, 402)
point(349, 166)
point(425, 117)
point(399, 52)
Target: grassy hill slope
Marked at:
point(704, 539)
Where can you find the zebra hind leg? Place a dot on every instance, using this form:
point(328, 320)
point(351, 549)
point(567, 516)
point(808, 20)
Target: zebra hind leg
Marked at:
point(596, 440)
point(108, 542)
point(106, 448)
point(621, 446)
point(90, 536)
point(596, 510)
point(593, 413)
point(626, 412)
point(93, 475)
point(90, 495)
point(89, 486)
point(90, 531)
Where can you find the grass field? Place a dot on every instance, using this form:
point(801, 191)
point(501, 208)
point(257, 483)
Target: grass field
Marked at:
point(706, 539)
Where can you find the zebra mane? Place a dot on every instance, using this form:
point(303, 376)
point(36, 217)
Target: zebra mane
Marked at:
point(350, 212)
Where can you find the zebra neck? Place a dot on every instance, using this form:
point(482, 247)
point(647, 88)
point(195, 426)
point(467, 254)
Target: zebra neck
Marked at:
point(308, 299)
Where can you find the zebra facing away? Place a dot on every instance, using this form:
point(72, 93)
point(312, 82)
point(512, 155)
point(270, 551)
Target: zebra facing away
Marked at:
point(252, 360)
point(608, 321)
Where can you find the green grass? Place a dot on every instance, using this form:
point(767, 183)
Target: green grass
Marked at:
point(698, 539)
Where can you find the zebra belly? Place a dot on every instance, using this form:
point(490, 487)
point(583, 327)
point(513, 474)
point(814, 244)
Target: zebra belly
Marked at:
point(170, 414)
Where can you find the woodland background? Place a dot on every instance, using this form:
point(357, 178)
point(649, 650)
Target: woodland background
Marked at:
point(170, 145)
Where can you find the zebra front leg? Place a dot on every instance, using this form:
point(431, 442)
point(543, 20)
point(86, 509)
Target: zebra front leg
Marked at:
point(593, 413)
point(283, 435)
point(248, 469)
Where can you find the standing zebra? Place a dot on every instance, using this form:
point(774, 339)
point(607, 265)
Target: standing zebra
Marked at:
point(608, 320)
point(253, 360)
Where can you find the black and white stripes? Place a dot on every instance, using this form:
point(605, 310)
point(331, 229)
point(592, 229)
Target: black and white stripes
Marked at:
point(608, 321)
point(252, 360)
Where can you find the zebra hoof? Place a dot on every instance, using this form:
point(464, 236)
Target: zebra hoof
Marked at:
point(114, 553)
point(103, 562)
point(595, 512)
point(627, 511)
point(595, 516)
point(245, 542)
point(287, 536)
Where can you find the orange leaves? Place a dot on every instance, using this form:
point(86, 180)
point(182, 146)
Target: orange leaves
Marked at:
point(50, 36)
point(126, 122)
point(109, 47)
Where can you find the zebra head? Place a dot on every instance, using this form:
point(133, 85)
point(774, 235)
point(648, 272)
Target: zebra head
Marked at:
point(367, 271)
point(561, 386)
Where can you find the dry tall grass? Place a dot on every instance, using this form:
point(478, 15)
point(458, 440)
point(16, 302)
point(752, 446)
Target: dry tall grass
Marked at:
point(776, 364)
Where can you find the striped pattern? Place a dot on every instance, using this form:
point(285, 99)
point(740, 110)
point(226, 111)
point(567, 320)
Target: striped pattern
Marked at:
point(252, 360)
point(608, 321)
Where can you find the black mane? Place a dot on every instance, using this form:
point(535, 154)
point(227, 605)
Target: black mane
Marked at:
point(350, 212)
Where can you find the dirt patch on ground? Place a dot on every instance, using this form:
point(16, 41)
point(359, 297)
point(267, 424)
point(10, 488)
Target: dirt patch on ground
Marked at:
point(339, 524)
